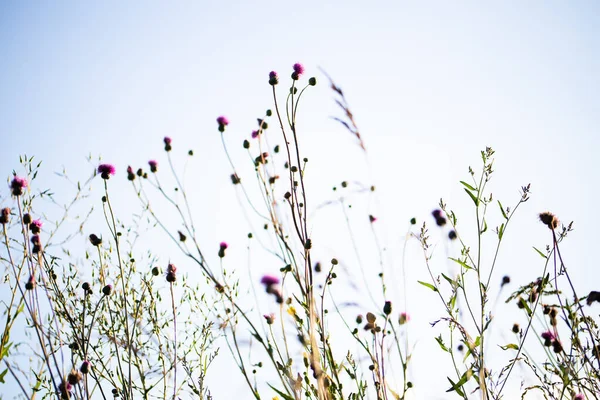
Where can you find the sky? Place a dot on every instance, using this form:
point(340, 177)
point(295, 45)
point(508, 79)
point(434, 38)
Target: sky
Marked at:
point(430, 84)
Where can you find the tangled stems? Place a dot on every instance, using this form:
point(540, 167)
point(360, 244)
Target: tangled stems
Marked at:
point(127, 384)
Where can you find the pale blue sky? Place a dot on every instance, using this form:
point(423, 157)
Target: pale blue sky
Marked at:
point(430, 83)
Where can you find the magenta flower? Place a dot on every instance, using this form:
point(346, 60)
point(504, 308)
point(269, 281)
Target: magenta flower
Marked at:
point(579, 396)
point(223, 245)
point(37, 244)
point(171, 273)
point(106, 170)
point(404, 318)
point(298, 71)
point(153, 165)
point(269, 280)
point(273, 78)
point(35, 226)
point(549, 338)
point(254, 134)
point(167, 141)
point(223, 122)
point(17, 185)
point(548, 335)
point(85, 367)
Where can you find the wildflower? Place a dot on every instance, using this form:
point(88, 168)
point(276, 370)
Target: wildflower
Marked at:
point(30, 283)
point(74, 377)
point(85, 367)
point(593, 296)
point(404, 318)
point(17, 185)
point(516, 328)
point(246, 143)
point(312, 81)
point(298, 71)
point(452, 235)
point(505, 280)
point(387, 308)
point(86, 286)
point(106, 170)
point(182, 237)
point(36, 226)
point(171, 273)
point(548, 337)
point(557, 346)
point(167, 141)
point(271, 283)
point(107, 290)
point(270, 318)
point(440, 220)
point(579, 396)
point(223, 122)
point(5, 216)
point(413, 221)
point(273, 78)
point(222, 247)
point(155, 271)
point(153, 165)
point(372, 218)
point(130, 174)
point(65, 389)
point(254, 134)
point(549, 220)
point(235, 179)
point(95, 240)
point(37, 244)
point(269, 280)
point(27, 218)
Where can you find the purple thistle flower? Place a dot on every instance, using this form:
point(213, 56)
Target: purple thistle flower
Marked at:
point(298, 71)
point(223, 245)
point(35, 226)
point(404, 318)
point(106, 170)
point(273, 78)
point(579, 396)
point(171, 273)
point(269, 280)
point(17, 185)
point(37, 244)
point(223, 122)
point(85, 367)
point(299, 68)
point(547, 335)
point(254, 134)
point(167, 141)
point(153, 165)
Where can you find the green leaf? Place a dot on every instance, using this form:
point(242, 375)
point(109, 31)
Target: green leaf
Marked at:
point(457, 386)
point(450, 281)
point(429, 285)
point(500, 232)
point(464, 264)
point(2, 374)
point(279, 392)
point(468, 186)
point(502, 210)
point(485, 226)
point(441, 343)
point(473, 197)
point(510, 346)
point(541, 254)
